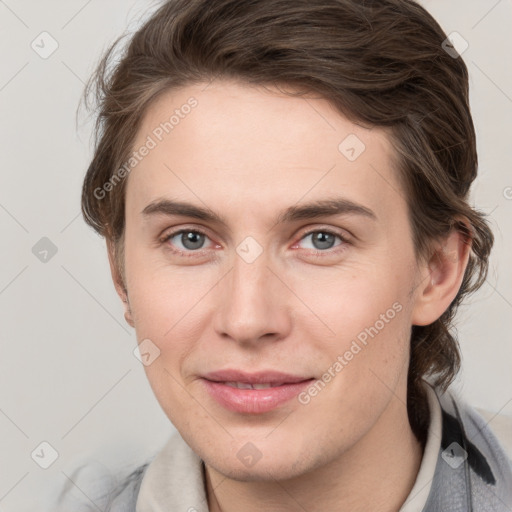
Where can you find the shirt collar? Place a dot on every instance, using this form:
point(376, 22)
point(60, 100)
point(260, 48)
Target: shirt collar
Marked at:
point(420, 491)
point(175, 478)
point(173, 481)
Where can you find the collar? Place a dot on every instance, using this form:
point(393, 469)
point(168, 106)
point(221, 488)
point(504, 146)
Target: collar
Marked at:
point(420, 491)
point(464, 468)
point(175, 479)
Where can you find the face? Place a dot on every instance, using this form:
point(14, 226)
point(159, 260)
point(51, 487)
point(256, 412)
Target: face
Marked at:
point(289, 259)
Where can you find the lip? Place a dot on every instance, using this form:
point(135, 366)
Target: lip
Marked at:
point(261, 377)
point(253, 401)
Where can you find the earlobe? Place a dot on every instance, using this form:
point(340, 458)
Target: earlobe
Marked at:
point(127, 311)
point(128, 316)
point(119, 283)
point(442, 278)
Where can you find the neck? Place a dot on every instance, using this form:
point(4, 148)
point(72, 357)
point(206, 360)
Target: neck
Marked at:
point(375, 474)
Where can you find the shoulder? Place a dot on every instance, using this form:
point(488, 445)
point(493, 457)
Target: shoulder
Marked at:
point(123, 498)
point(501, 426)
point(492, 433)
point(90, 487)
point(473, 470)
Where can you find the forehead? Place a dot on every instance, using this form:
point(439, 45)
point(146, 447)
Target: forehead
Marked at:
point(260, 148)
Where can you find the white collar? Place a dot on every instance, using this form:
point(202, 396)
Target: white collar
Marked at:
point(418, 496)
point(175, 480)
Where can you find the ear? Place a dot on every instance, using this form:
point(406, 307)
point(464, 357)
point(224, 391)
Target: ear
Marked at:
point(118, 282)
point(442, 277)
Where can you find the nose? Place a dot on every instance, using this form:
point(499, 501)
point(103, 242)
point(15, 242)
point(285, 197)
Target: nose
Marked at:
point(254, 304)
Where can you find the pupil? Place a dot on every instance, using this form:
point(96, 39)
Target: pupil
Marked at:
point(324, 240)
point(192, 240)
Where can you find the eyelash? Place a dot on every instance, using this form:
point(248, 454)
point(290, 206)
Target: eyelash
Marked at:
point(315, 252)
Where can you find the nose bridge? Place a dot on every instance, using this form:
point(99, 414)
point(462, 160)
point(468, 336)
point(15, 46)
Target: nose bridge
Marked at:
point(249, 281)
point(251, 305)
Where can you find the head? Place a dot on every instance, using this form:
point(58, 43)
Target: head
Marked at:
point(251, 111)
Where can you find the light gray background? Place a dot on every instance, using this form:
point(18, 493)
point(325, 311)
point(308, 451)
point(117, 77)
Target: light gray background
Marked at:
point(68, 375)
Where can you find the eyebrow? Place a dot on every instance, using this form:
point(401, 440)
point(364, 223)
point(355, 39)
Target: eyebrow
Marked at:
point(315, 209)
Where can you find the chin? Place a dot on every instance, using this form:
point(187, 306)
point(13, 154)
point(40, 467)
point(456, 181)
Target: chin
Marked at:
point(278, 467)
point(261, 472)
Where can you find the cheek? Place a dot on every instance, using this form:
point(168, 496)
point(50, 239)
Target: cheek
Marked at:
point(170, 307)
point(161, 295)
point(361, 328)
point(345, 301)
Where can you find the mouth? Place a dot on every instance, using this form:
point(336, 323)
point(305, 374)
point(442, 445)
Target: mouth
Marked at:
point(248, 385)
point(253, 393)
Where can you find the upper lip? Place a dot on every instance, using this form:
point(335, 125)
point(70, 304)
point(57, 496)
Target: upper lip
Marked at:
point(261, 377)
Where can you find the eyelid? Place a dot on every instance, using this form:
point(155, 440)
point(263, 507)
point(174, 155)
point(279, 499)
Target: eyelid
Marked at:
point(342, 233)
point(171, 233)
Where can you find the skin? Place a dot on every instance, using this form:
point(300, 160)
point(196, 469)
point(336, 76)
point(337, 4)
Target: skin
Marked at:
point(247, 154)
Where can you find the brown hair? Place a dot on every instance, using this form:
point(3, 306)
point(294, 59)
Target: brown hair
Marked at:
point(379, 62)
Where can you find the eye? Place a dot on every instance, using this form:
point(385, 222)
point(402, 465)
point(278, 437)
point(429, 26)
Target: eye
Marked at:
point(191, 240)
point(322, 240)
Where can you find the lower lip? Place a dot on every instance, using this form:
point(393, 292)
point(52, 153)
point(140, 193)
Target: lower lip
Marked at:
point(253, 401)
